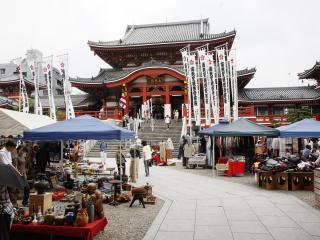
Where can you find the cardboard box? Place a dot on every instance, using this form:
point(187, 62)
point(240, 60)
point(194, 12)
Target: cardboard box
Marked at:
point(42, 200)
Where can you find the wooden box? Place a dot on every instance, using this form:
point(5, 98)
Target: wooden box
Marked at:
point(268, 180)
point(317, 185)
point(43, 200)
point(282, 181)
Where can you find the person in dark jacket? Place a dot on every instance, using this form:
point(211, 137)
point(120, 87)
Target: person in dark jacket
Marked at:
point(43, 157)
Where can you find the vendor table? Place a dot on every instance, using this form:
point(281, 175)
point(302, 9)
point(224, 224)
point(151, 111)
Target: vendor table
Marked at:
point(30, 231)
point(236, 168)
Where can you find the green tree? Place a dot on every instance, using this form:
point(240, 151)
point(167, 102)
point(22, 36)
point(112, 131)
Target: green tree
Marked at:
point(298, 114)
point(31, 106)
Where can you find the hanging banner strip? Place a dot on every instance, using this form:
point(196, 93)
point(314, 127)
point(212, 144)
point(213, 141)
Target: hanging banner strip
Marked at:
point(47, 71)
point(23, 95)
point(37, 102)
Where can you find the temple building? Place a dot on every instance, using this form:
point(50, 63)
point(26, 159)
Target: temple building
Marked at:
point(146, 63)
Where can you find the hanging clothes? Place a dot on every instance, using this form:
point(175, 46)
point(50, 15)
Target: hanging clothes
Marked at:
point(162, 146)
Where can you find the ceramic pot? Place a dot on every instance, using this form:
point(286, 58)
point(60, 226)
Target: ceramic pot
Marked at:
point(49, 219)
point(41, 186)
point(59, 220)
point(82, 217)
point(70, 218)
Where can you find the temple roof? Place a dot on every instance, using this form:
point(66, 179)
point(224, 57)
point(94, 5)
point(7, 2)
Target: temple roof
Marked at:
point(161, 33)
point(278, 94)
point(77, 100)
point(6, 101)
point(16, 78)
point(312, 73)
point(110, 75)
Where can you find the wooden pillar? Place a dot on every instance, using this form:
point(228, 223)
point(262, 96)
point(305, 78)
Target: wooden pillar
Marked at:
point(144, 94)
point(167, 95)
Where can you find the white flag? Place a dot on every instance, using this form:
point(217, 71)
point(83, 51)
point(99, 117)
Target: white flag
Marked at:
point(23, 95)
point(214, 85)
point(202, 56)
point(234, 82)
point(223, 70)
point(47, 70)
point(63, 65)
point(37, 102)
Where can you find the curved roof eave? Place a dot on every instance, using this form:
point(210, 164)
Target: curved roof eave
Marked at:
point(105, 46)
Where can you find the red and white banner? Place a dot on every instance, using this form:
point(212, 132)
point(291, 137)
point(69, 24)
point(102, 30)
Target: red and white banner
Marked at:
point(47, 71)
point(34, 73)
point(214, 85)
point(223, 74)
point(234, 82)
point(193, 78)
point(202, 57)
point(63, 65)
point(23, 95)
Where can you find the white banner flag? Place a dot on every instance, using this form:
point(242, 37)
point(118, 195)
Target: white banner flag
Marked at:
point(63, 65)
point(223, 70)
point(47, 71)
point(202, 56)
point(214, 85)
point(193, 77)
point(185, 59)
point(35, 76)
point(234, 82)
point(23, 95)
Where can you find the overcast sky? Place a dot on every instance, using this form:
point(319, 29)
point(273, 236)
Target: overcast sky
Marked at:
point(278, 37)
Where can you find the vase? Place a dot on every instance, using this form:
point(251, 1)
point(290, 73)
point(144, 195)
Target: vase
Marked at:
point(41, 186)
point(70, 218)
point(90, 209)
point(82, 217)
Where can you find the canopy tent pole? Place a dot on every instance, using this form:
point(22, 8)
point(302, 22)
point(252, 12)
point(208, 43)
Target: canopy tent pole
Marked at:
point(120, 172)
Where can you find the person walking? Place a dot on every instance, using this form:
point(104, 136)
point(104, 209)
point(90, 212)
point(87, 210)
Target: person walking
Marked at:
point(152, 123)
point(121, 161)
point(167, 121)
point(147, 156)
point(20, 164)
point(103, 151)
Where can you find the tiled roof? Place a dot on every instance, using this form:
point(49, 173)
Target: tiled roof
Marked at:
point(278, 94)
point(14, 78)
point(4, 100)
point(165, 33)
point(77, 100)
point(109, 75)
point(313, 73)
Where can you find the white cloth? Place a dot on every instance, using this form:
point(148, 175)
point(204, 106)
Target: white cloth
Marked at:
point(5, 156)
point(147, 154)
point(275, 144)
point(170, 144)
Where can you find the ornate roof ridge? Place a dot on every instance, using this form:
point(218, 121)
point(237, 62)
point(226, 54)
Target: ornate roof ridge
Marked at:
point(205, 20)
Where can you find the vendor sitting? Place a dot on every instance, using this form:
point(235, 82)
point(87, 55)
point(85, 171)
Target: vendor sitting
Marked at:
point(306, 152)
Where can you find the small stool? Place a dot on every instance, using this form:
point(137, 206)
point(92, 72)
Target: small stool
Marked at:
point(138, 194)
point(114, 183)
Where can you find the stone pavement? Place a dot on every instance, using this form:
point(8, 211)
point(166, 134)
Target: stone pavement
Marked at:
point(199, 207)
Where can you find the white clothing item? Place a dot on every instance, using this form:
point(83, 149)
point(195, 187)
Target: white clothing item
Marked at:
point(275, 144)
point(147, 152)
point(170, 144)
point(167, 120)
point(5, 156)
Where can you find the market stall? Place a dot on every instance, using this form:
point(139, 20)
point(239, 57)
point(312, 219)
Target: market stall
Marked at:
point(81, 212)
point(240, 128)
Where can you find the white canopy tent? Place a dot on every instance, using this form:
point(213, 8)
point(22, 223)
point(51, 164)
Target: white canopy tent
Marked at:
point(14, 122)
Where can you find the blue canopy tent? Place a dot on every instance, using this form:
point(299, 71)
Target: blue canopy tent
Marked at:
point(303, 129)
point(79, 128)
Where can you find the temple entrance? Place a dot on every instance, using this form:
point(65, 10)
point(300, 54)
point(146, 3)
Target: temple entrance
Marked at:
point(157, 108)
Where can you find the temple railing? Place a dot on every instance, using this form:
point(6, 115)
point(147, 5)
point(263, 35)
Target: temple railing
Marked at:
point(103, 115)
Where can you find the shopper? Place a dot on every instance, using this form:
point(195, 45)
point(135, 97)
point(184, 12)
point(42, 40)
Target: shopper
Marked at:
point(43, 157)
point(135, 156)
point(152, 124)
point(6, 213)
point(103, 151)
point(5, 152)
point(147, 156)
point(121, 161)
point(167, 121)
point(20, 162)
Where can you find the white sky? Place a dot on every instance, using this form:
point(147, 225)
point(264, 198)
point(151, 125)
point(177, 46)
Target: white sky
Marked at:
point(278, 37)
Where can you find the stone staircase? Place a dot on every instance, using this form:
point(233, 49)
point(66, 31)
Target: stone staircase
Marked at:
point(159, 134)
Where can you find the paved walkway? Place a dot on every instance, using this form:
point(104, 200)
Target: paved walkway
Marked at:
point(199, 207)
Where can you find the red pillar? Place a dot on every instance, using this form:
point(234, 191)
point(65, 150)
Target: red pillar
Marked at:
point(128, 105)
point(144, 94)
point(167, 95)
